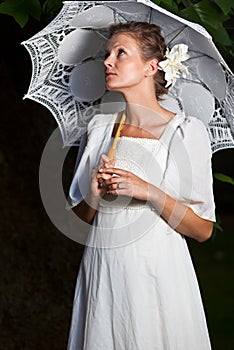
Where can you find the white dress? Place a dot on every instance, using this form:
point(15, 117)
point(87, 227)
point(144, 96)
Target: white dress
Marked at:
point(136, 288)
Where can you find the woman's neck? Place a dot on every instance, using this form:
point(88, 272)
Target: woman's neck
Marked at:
point(143, 108)
point(147, 114)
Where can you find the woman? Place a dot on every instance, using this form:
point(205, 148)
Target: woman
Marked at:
point(136, 287)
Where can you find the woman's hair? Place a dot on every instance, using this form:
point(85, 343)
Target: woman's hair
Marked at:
point(151, 44)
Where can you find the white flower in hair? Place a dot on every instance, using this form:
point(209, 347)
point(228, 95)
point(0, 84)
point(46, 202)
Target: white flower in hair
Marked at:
point(172, 66)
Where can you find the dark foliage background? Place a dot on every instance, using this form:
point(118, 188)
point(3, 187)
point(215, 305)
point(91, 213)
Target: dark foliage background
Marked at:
point(38, 265)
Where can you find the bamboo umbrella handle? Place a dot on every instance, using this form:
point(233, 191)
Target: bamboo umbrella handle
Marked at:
point(112, 150)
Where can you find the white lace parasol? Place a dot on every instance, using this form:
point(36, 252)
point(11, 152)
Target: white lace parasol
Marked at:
point(68, 70)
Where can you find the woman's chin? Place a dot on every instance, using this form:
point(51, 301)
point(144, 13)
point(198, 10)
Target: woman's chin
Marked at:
point(111, 87)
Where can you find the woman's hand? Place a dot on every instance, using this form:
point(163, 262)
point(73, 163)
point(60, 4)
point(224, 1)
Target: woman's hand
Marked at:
point(179, 216)
point(98, 187)
point(125, 183)
point(87, 208)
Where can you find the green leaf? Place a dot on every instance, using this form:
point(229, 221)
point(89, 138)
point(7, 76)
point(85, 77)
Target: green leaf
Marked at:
point(13, 8)
point(225, 5)
point(157, 2)
point(209, 14)
point(168, 5)
point(52, 5)
point(190, 14)
point(204, 13)
point(224, 178)
point(34, 8)
point(220, 35)
point(10, 6)
point(21, 10)
point(51, 9)
point(166, 2)
point(174, 8)
point(216, 227)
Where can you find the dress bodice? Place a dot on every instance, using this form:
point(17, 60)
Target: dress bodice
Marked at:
point(136, 155)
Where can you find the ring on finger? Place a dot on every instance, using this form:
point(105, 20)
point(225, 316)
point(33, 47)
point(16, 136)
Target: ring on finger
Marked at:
point(118, 186)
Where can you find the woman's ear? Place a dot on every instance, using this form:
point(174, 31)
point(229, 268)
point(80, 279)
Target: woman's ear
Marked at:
point(152, 67)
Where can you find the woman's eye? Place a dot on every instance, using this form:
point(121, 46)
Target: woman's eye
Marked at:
point(121, 52)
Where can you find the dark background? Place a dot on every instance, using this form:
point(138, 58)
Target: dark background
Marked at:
point(38, 264)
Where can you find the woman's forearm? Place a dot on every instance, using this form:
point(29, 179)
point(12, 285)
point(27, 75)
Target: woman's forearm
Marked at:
point(179, 216)
point(87, 208)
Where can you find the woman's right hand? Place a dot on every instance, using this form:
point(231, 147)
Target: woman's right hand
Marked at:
point(98, 187)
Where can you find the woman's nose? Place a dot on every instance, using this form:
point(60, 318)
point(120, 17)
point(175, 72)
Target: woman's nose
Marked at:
point(108, 62)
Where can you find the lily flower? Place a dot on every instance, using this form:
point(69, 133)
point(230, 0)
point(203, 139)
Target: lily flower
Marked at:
point(172, 66)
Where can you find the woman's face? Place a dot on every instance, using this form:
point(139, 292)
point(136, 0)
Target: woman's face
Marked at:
point(125, 67)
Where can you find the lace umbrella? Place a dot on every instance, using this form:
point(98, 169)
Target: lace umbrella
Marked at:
point(68, 71)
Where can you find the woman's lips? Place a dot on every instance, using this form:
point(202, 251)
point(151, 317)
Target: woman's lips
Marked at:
point(109, 74)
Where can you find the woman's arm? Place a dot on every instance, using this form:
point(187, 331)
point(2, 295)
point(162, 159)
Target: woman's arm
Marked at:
point(87, 208)
point(179, 216)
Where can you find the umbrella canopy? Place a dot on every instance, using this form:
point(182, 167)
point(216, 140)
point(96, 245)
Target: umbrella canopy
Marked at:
point(68, 72)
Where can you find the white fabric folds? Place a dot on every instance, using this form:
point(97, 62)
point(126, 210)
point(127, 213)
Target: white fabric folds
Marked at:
point(136, 287)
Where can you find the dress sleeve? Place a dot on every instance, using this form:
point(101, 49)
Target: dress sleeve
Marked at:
point(188, 177)
point(80, 182)
point(82, 173)
point(96, 143)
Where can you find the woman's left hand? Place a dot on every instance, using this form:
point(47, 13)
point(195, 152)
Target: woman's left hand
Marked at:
point(125, 183)
point(178, 215)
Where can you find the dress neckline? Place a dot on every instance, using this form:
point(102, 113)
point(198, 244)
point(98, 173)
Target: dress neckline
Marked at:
point(137, 138)
point(149, 138)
